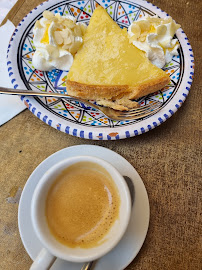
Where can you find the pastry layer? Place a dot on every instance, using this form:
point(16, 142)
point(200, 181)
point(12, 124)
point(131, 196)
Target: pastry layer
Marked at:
point(108, 67)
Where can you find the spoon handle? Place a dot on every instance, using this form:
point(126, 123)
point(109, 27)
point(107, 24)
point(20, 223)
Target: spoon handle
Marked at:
point(87, 266)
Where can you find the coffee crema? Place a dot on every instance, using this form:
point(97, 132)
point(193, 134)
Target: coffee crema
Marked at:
point(82, 205)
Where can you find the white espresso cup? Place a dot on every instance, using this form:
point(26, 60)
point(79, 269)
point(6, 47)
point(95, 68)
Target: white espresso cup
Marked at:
point(54, 249)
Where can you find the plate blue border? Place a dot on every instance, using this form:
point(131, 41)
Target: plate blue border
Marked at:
point(119, 132)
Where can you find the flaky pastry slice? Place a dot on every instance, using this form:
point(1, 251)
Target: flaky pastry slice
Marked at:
point(110, 70)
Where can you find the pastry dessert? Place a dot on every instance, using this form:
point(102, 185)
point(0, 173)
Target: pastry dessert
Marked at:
point(110, 70)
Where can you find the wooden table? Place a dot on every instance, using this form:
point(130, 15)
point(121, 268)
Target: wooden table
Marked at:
point(167, 158)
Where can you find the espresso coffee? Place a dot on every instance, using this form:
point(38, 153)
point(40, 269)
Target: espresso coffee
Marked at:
point(82, 205)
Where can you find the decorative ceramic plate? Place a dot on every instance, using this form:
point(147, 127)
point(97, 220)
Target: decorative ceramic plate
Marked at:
point(76, 118)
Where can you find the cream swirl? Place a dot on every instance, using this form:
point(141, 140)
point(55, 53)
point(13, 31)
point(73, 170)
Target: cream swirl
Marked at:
point(56, 38)
point(154, 36)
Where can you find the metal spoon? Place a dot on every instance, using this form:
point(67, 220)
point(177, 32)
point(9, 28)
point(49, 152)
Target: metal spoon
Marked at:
point(87, 266)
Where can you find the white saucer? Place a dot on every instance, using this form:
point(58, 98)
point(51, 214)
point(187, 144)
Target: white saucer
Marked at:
point(123, 254)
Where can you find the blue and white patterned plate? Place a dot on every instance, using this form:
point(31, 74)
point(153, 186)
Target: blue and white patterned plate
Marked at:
point(76, 118)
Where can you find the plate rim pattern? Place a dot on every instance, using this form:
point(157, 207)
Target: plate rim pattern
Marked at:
point(115, 133)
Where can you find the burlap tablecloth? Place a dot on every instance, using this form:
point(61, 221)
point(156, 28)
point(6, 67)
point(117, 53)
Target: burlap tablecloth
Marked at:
point(167, 158)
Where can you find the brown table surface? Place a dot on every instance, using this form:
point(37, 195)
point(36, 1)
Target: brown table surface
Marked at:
point(167, 158)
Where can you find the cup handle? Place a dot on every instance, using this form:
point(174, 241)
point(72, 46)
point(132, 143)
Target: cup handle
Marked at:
point(43, 261)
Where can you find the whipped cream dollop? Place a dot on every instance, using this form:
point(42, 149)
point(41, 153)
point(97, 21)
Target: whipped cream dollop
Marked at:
point(57, 39)
point(154, 36)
